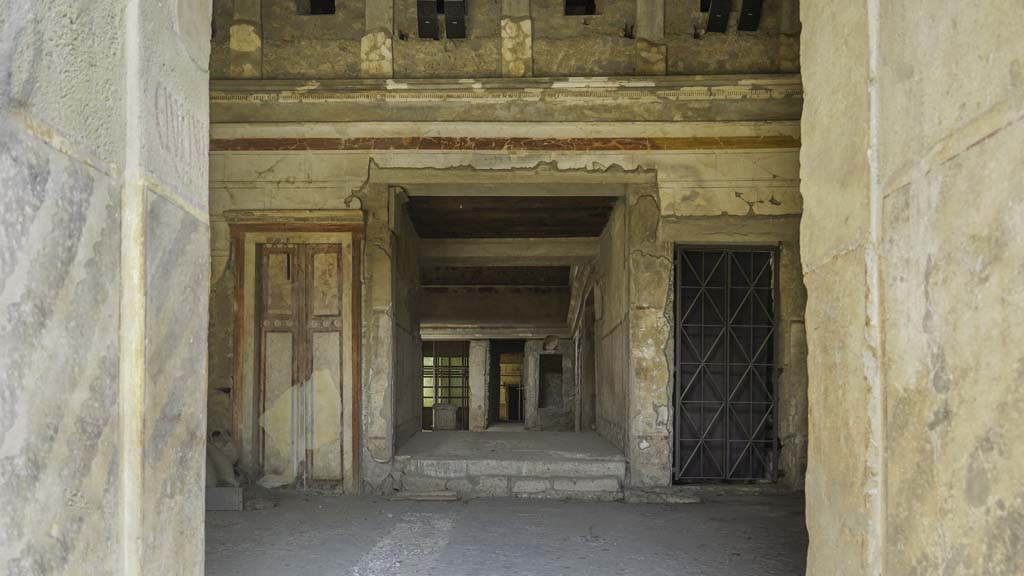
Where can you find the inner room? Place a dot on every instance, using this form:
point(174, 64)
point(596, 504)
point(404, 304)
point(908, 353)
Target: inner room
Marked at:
point(503, 279)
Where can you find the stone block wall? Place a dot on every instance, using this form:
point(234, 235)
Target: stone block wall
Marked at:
point(912, 258)
point(104, 275)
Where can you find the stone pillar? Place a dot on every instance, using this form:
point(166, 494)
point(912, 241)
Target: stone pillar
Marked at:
point(378, 334)
point(165, 259)
point(911, 248)
point(479, 369)
point(516, 39)
point(843, 459)
point(377, 45)
point(651, 51)
point(105, 270)
point(648, 444)
point(245, 43)
point(531, 381)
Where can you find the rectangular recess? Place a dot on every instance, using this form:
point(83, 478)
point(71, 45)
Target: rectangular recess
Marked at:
point(718, 15)
point(750, 15)
point(454, 19)
point(426, 19)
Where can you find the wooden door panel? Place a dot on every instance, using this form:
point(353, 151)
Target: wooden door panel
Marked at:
point(326, 398)
point(323, 332)
point(301, 361)
point(325, 293)
point(279, 407)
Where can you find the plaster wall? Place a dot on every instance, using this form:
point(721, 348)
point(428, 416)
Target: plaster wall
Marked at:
point(911, 259)
point(408, 347)
point(612, 330)
point(559, 411)
point(479, 384)
point(379, 339)
point(103, 285)
point(487, 306)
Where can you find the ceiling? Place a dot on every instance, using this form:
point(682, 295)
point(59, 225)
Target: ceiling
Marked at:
point(510, 216)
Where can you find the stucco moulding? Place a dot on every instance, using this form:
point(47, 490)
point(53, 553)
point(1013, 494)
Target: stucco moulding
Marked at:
point(506, 144)
point(673, 98)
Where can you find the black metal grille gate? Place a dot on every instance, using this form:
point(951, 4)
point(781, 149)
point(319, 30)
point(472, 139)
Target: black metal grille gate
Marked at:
point(725, 373)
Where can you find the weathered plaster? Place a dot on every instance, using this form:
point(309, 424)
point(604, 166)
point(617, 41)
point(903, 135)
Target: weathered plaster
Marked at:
point(377, 55)
point(479, 388)
point(555, 417)
point(516, 47)
point(911, 260)
point(103, 211)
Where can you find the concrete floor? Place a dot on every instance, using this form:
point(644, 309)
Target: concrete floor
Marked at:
point(362, 536)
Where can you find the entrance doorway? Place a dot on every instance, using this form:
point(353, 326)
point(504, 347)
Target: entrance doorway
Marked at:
point(725, 424)
point(300, 361)
point(508, 393)
point(446, 385)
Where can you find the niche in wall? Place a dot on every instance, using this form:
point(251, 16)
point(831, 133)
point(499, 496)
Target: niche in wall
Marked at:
point(549, 393)
point(316, 7)
point(580, 7)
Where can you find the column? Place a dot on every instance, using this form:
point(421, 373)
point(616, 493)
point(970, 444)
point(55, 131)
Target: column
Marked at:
point(649, 262)
point(165, 259)
point(479, 368)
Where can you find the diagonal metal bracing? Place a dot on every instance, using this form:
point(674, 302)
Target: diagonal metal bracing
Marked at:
point(725, 373)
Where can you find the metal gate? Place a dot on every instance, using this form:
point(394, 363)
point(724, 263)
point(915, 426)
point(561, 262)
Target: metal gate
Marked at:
point(725, 374)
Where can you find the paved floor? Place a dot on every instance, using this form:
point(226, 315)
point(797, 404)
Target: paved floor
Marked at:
point(514, 445)
point(361, 536)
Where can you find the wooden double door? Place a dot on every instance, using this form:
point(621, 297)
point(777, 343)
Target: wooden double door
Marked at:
point(300, 331)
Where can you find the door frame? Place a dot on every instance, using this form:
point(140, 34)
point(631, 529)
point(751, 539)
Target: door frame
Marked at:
point(248, 228)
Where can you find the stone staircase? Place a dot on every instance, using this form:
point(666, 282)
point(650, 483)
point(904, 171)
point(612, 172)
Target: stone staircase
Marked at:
point(566, 465)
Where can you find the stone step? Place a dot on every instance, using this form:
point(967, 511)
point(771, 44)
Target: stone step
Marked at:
point(594, 488)
point(542, 467)
point(565, 465)
point(563, 479)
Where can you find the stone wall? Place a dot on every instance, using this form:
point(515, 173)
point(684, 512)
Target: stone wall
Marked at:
point(476, 56)
point(612, 330)
point(408, 347)
point(911, 255)
point(495, 306)
point(557, 411)
point(296, 44)
point(378, 337)
point(104, 281)
point(277, 39)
